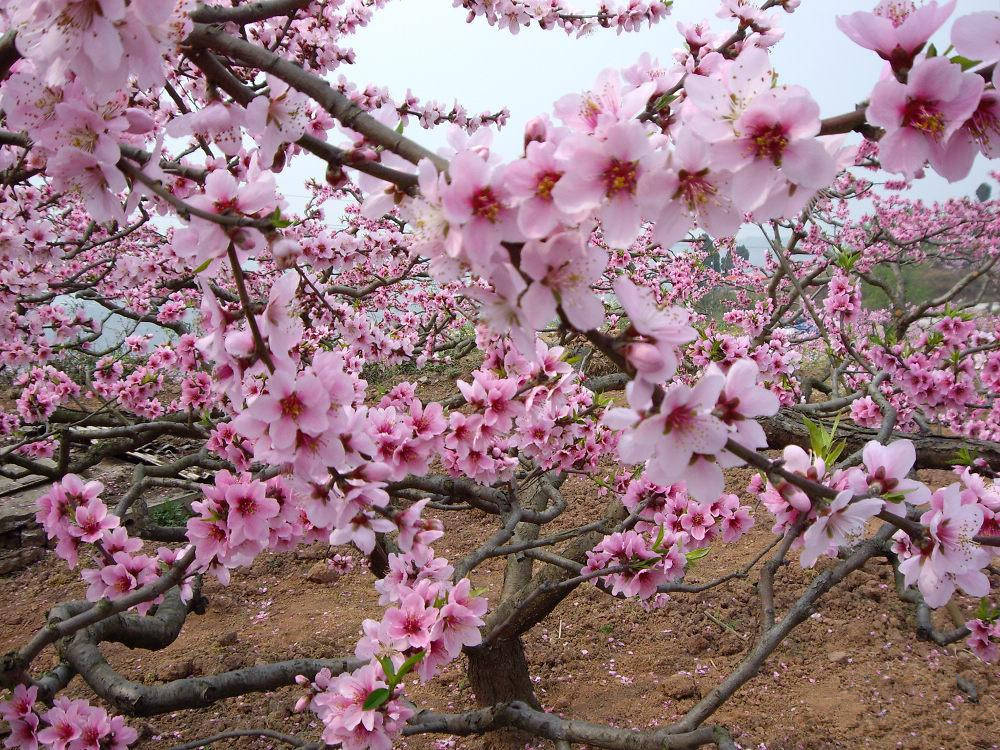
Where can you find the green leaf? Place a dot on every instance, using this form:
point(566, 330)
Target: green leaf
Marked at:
point(277, 222)
point(387, 667)
point(815, 436)
point(965, 62)
point(659, 538)
point(662, 101)
point(846, 259)
point(407, 666)
point(932, 51)
point(835, 452)
point(983, 611)
point(203, 266)
point(376, 698)
point(697, 554)
point(964, 457)
point(399, 127)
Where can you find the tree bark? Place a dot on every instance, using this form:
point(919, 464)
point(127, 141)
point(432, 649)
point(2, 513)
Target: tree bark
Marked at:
point(499, 674)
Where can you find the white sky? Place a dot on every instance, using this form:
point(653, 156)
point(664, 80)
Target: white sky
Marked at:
point(427, 46)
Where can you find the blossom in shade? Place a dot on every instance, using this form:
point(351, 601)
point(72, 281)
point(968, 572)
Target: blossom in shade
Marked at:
point(278, 117)
point(656, 333)
point(984, 640)
point(690, 189)
point(563, 269)
point(836, 524)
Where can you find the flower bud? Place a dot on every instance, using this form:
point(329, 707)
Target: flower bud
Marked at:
point(537, 129)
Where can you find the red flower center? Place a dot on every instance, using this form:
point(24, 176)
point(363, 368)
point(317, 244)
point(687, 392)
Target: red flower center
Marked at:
point(679, 419)
point(694, 189)
point(225, 206)
point(485, 204)
point(291, 406)
point(246, 505)
point(770, 143)
point(412, 625)
point(546, 182)
point(620, 177)
point(923, 115)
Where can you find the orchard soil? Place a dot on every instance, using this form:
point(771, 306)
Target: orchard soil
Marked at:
point(853, 676)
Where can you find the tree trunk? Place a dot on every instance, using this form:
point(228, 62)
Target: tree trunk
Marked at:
point(499, 673)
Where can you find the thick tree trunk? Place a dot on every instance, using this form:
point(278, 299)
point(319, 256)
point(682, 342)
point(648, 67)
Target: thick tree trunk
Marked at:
point(499, 674)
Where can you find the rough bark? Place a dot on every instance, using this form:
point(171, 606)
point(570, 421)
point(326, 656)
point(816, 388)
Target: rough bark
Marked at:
point(499, 674)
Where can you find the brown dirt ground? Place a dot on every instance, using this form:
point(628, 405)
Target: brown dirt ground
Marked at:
point(854, 675)
point(596, 658)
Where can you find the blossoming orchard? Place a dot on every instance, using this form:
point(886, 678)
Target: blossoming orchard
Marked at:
point(155, 284)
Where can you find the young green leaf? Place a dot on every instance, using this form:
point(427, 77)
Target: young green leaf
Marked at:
point(407, 666)
point(697, 554)
point(387, 667)
point(376, 698)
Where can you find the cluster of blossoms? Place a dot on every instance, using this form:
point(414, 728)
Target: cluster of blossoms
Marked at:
point(949, 559)
point(67, 725)
point(984, 637)
point(342, 453)
point(553, 14)
point(605, 163)
point(942, 113)
point(672, 530)
point(72, 513)
point(684, 436)
point(539, 410)
point(428, 114)
point(427, 622)
point(945, 559)
point(577, 229)
point(43, 390)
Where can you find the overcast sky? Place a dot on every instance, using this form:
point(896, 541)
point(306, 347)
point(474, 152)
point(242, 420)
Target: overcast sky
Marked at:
point(427, 46)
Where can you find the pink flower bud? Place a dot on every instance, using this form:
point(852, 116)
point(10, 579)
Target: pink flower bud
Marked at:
point(537, 129)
